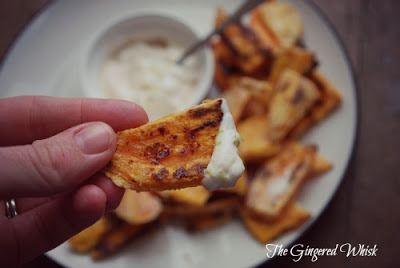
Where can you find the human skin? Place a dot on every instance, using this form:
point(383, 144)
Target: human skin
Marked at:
point(51, 151)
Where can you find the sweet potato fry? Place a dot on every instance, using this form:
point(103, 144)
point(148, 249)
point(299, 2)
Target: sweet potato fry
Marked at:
point(257, 144)
point(139, 208)
point(225, 71)
point(193, 196)
point(260, 92)
point(197, 224)
point(265, 36)
point(279, 179)
point(294, 96)
point(265, 230)
point(169, 153)
point(250, 57)
point(330, 99)
point(281, 23)
point(216, 206)
point(117, 238)
point(319, 166)
point(293, 58)
point(87, 239)
point(238, 98)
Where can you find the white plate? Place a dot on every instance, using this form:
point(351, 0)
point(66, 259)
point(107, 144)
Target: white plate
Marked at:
point(45, 60)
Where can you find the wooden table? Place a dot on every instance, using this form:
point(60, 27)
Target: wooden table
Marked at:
point(366, 208)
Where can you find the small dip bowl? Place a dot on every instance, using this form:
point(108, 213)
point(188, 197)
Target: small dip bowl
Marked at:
point(151, 28)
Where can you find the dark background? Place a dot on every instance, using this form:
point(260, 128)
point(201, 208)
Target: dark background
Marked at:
point(366, 208)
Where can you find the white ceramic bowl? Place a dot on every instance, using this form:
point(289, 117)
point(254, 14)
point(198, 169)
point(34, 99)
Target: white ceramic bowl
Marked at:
point(143, 26)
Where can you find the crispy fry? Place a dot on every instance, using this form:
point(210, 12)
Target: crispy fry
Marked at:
point(214, 207)
point(279, 179)
point(197, 224)
point(248, 97)
point(293, 58)
point(265, 231)
point(294, 96)
point(250, 57)
point(319, 166)
point(257, 144)
point(238, 98)
point(87, 239)
point(169, 153)
point(225, 71)
point(265, 36)
point(329, 101)
point(260, 92)
point(139, 208)
point(116, 239)
point(282, 24)
point(193, 196)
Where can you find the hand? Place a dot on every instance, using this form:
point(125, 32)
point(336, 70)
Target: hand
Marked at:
point(51, 152)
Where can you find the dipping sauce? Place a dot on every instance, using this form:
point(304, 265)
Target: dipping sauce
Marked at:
point(225, 166)
point(145, 72)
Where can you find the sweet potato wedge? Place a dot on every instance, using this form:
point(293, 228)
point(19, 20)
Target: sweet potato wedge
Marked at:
point(257, 143)
point(277, 24)
point(139, 208)
point(238, 98)
point(329, 101)
point(260, 92)
point(250, 57)
point(279, 179)
point(213, 207)
point(169, 153)
point(293, 58)
point(294, 96)
point(193, 196)
point(117, 238)
point(266, 230)
point(197, 224)
point(88, 239)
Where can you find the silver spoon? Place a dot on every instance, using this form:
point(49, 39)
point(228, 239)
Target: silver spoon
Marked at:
point(244, 8)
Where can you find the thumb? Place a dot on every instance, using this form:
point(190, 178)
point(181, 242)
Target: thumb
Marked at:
point(59, 163)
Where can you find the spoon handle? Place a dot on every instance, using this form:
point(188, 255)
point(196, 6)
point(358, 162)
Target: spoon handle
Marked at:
point(244, 8)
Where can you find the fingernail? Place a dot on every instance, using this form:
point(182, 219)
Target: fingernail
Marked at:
point(94, 138)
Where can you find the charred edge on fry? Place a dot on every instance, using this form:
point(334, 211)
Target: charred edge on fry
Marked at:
point(163, 130)
point(156, 152)
point(205, 125)
point(161, 175)
point(298, 96)
point(229, 44)
point(295, 170)
point(180, 172)
point(200, 111)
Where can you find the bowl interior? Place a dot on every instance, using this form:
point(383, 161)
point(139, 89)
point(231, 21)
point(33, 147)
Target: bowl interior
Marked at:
point(144, 27)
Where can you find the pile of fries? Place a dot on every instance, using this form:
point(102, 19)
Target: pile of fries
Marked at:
point(275, 95)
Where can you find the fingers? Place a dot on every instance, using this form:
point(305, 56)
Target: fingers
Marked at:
point(36, 231)
point(26, 119)
point(114, 194)
point(56, 164)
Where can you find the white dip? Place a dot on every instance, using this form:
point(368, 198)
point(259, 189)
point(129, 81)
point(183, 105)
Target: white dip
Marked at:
point(225, 166)
point(145, 72)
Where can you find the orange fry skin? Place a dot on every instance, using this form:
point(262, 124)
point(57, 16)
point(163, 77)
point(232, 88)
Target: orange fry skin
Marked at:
point(170, 153)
